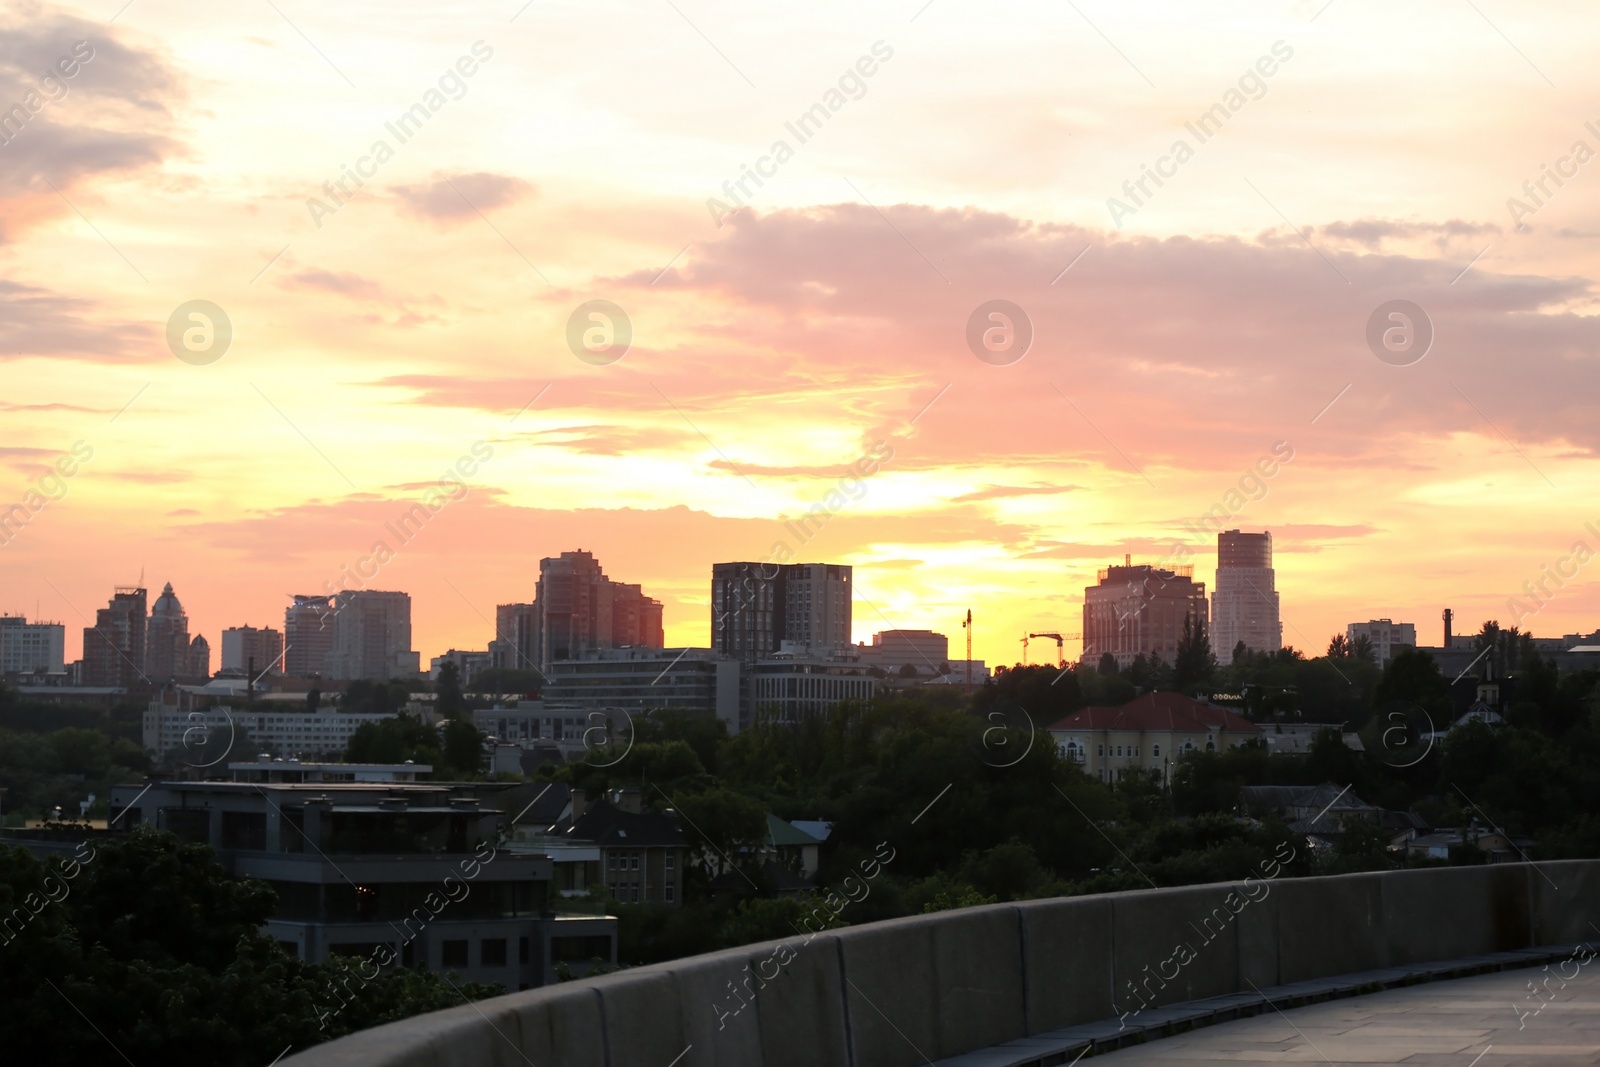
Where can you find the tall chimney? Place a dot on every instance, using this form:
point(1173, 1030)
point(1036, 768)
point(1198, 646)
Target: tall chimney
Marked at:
point(1449, 619)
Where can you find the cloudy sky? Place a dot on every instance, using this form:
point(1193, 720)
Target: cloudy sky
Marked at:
point(399, 290)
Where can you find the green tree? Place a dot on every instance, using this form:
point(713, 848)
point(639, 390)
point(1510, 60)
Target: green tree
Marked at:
point(463, 747)
point(1194, 663)
point(449, 703)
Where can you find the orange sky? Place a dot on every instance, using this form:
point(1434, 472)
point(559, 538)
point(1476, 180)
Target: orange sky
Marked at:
point(965, 153)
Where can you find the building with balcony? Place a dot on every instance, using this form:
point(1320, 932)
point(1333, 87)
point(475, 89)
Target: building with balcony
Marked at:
point(113, 648)
point(308, 636)
point(244, 646)
point(758, 607)
point(414, 873)
point(577, 609)
point(371, 636)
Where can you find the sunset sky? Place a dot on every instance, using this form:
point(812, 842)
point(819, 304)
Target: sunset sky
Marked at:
point(379, 335)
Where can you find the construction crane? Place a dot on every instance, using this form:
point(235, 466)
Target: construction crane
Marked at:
point(1060, 639)
point(966, 625)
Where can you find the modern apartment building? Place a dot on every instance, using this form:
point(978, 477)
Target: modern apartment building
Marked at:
point(243, 646)
point(1147, 734)
point(792, 688)
point(1138, 609)
point(758, 607)
point(1387, 637)
point(407, 874)
point(307, 635)
point(372, 636)
point(31, 647)
point(576, 608)
point(113, 648)
point(1244, 604)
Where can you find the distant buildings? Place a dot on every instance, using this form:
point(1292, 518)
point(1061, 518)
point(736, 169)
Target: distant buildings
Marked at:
point(372, 636)
point(640, 679)
point(924, 651)
point(757, 607)
point(113, 648)
point(1140, 610)
point(1244, 604)
point(180, 728)
point(245, 647)
point(1147, 734)
point(308, 636)
point(1387, 637)
point(468, 665)
point(31, 647)
point(576, 608)
point(512, 647)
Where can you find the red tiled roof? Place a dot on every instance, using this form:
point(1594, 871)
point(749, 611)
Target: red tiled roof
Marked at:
point(1158, 711)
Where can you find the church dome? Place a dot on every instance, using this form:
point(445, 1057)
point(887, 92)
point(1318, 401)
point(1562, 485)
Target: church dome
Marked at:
point(167, 603)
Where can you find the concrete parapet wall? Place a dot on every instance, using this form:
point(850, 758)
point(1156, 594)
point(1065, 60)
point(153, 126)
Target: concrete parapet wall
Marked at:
point(908, 991)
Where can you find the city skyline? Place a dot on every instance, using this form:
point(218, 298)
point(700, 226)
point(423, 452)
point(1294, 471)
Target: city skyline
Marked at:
point(800, 361)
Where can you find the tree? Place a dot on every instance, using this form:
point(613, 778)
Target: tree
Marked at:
point(1194, 663)
point(1108, 664)
point(1361, 648)
point(1338, 647)
point(907, 670)
point(313, 700)
point(463, 746)
point(450, 703)
point(720, 825)
point(1241, 652)
point(395, 740)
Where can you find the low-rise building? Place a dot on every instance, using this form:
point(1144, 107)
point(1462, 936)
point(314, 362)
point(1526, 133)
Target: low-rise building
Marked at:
point(411, 873)
point(31, 647)
point(1147, 734)
point(640, 854)
point(641, 679)
point(288, 730)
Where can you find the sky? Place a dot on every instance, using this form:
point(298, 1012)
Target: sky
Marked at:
point(253, 371)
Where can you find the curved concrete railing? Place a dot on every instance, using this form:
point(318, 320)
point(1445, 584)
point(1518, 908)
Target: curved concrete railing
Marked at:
point(907, 991)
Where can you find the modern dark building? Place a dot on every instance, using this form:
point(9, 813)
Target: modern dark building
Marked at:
point(758, 607)
point(307, 636)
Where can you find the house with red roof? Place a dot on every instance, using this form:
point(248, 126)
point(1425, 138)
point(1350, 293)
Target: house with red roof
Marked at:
point(1148, 733)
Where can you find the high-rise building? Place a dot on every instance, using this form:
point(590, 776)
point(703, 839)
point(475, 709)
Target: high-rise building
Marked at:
point(308, 636)
point(1244, 604)
point(1387, 637)
point(576, 608)
point(243, 646)
point(372, 636)
point(1138, 609)
point(168, 649)
point(512, 647)
point(29, 647)
point(200, 657)
point(758, 608)
point(113, 648)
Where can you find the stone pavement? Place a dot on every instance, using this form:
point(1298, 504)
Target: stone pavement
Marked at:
point(1486, 1021)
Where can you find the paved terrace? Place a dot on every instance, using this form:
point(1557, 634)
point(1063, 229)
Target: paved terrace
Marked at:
point(1488, 1021)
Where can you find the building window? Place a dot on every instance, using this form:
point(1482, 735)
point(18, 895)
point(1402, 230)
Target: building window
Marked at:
point(1155, 750)
point(1102, 750)
point(666, 894)
point(671, 859)
point(635, 862)
point(492, 952)
point(635, 894)
point(453, 953)
point(522, 950)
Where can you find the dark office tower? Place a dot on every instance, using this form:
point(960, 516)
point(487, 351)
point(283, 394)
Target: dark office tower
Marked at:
point(756, 607)
point(307, 636)
point(1244, 604)
point(747, 609)
point(114, 648)
point(1138, 610)
point(577, 608)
